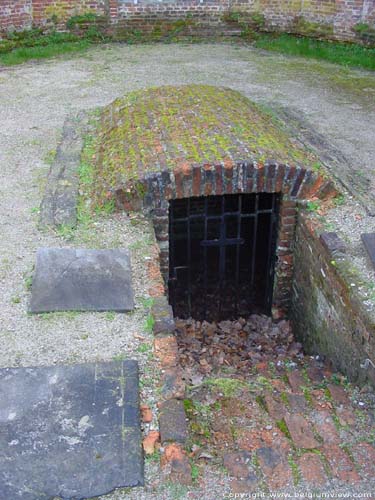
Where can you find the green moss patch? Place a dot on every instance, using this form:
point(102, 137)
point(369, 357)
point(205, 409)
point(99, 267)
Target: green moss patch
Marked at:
point(171, 127)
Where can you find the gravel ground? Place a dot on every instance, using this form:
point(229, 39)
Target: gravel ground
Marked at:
point(35, 99)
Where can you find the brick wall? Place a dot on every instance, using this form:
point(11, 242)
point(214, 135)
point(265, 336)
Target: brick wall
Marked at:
point(22, 14)
point(15, 14)
point(327, 315)
point(342, 15)
point(63, 9)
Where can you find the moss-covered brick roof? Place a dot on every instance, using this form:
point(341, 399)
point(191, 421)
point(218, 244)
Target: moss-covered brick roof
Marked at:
point(170, 127)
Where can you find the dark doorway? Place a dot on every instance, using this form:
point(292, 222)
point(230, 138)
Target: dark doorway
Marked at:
point(222, 255)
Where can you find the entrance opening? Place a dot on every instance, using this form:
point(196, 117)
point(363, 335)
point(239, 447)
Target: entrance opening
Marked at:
point(222, 255)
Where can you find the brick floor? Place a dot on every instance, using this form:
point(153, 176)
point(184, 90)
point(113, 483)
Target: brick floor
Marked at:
point(260, 433)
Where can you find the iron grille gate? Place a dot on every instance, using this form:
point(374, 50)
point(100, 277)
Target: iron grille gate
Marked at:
point(222, 255)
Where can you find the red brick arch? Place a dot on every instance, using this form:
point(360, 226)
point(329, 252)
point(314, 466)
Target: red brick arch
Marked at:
point(295, 184)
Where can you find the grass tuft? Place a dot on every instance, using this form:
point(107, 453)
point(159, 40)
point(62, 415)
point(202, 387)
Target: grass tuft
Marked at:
point(345, 54)
point(23, 54)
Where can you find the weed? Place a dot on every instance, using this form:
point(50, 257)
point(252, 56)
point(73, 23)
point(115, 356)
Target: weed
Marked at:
point(345, 447)
point(284, 398)
point(283, 427)
point(154, 457)
point(339, 200)
point(149, 324)
point(106, 208)
point(118, 357)
point(261, 402)
point(217, 406)
point(28, 282)
point(295, 471)
point(195, 472)
point(317, 167)
point(35, 210)
point(145, 347)
point(365, 32)
point(110, 316)
point(264, 382)
point(327, 394)
point(50, 316)
point(307, 394)
point(49, 158)
point(65, 231)
point(336, 421)
point(147, 302)
point(188, 405)
point(227, 386)
point(313, 206)
point(16, 300)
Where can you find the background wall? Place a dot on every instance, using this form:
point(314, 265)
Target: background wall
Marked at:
point(336, 16)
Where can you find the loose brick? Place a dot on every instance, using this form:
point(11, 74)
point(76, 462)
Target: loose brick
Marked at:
point(301, 432)
point(166, 350)
point(146, 413)
point(312, 469)
point(364, 456)
point(341, 465)
point(176, 459)
point(339, 395)
point(297, 403)
point(275, 467)
point(315, 374)
point(296, 380)
point(149, 442)
point(172, 384)
point(325, 427)
point(238, 464)
point(172, 421)
point(275, 407)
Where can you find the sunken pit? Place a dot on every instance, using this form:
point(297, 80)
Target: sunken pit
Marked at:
point(226, 189)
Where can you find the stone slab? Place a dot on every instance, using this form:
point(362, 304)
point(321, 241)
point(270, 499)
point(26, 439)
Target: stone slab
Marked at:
point(68, 279)
point(368, 240)
point(59, 205)
point(172, 422)
point(333, 243)
point(69, 431)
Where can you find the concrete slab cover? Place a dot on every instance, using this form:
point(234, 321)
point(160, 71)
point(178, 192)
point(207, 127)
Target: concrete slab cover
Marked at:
point(69, 431)
point(68, 279)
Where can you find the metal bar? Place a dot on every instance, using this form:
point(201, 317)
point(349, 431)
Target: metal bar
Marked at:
point(255, 230)
point(222, 242)
point(213, 217)
point(221, 255)
point(205, 258)
point(172, 284)
point(270, 234)
point(189, 259)
point(238, 253)
point(274, 223)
